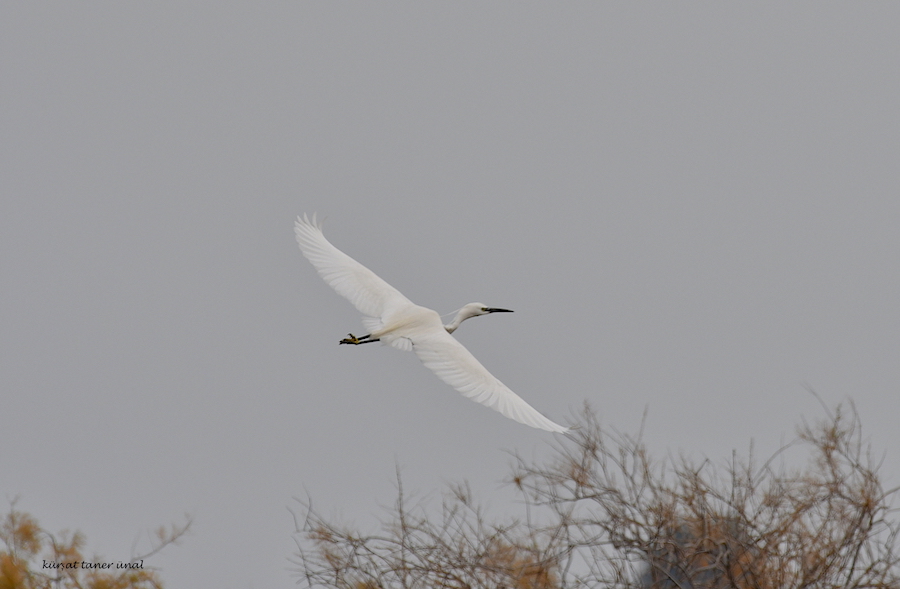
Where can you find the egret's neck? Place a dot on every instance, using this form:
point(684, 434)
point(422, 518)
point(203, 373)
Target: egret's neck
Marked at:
point(460, 317)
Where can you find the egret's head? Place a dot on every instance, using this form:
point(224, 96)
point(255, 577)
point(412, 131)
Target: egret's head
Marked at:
point(472, 310)
point(476, 309)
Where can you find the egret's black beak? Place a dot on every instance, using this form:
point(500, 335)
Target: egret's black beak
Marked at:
point(493, 310)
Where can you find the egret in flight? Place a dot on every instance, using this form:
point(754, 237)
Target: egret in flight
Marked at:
point(393, 319)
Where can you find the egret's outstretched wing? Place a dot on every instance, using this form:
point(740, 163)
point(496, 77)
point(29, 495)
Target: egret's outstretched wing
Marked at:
point(353, 281)
point(457, 367)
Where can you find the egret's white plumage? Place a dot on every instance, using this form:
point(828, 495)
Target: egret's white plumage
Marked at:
point(395, 320)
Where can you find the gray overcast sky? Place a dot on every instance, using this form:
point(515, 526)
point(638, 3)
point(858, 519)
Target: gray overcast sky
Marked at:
point(692, 207)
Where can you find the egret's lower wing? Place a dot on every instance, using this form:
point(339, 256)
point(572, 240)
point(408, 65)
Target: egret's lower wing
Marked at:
point(457, 367)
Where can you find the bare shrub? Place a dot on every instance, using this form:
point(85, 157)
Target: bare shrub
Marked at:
point(603, 513)
point(33, 558)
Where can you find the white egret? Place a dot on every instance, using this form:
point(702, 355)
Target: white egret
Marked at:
point(393, 319)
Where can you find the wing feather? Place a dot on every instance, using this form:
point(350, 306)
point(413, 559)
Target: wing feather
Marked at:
point(457, 367)
point(370, 294)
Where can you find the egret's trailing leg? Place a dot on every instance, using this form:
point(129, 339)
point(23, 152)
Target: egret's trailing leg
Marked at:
point(358, 340)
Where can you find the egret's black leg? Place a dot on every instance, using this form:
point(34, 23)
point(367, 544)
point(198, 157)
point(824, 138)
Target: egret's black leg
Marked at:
point(358, 340)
